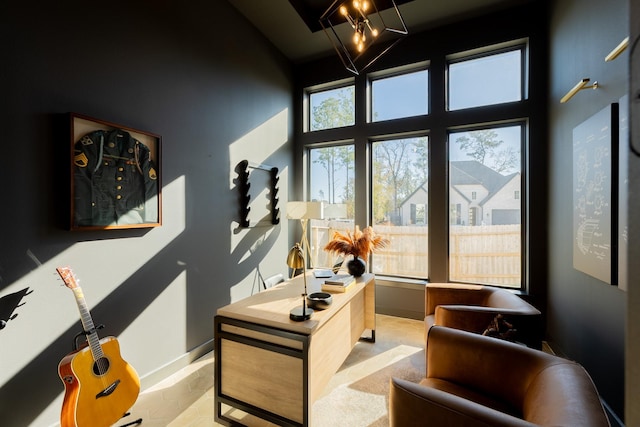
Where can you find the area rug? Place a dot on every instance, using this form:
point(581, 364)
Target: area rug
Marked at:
point(358, 394)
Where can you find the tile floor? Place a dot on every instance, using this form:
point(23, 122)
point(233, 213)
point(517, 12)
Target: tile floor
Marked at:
point(186, 399)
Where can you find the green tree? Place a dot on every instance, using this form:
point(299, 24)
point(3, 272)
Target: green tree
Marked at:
point(337, 110)
point(399, 168)
point(505, 160)
point(335, 160)
point(482, 145)
point(421, 162)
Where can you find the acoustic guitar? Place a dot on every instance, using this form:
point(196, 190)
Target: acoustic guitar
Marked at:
point(100, 386)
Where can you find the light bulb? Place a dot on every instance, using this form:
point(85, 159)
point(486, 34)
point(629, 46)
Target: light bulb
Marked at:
point(374, 32)
point(343, 10)
point(365, 5)
point(356, 38)
point(356, 4)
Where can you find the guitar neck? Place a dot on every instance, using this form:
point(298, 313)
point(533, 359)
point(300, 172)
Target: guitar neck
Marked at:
point(87, 324)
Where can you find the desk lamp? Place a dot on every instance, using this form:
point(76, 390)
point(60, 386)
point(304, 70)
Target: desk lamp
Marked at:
point(304, 211)
point(295, 260)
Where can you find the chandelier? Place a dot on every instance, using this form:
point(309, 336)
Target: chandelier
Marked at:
point(367, 36)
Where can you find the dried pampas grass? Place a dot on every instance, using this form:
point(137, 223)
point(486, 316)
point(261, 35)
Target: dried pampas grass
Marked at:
point(357, 243)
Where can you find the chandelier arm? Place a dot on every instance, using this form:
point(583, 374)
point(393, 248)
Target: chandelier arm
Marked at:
point(360, 21)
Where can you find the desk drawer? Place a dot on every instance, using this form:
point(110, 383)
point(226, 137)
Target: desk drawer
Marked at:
point(263, 378)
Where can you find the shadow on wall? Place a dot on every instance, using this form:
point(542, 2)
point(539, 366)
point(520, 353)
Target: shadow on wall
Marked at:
point(8, 305)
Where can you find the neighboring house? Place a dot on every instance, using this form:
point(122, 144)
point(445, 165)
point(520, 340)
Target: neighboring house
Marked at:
point(413, 210)
point(479, 196)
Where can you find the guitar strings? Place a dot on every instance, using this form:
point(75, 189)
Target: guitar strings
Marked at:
point(99, 359)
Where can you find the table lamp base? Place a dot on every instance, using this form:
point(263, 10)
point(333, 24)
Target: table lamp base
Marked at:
point(300, 313)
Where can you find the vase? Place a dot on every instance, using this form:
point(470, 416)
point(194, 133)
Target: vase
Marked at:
point(357, 266)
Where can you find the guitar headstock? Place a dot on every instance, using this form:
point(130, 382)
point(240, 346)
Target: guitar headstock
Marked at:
point(68, 277)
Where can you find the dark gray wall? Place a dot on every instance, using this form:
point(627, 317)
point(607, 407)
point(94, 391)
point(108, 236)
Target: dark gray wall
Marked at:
point(195, 73)
point(586, 317)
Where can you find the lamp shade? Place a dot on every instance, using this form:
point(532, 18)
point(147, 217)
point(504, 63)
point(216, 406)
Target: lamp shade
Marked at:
point(305, 210)
point(295, 257)
point(335, 211)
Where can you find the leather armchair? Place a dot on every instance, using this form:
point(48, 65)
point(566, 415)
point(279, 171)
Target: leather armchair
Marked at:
point(472, 308)
point(474, 380)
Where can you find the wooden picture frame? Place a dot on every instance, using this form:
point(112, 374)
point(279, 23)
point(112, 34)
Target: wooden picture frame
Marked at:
point(115, 176)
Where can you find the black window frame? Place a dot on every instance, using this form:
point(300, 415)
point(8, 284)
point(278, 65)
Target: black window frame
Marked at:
point(434, 46)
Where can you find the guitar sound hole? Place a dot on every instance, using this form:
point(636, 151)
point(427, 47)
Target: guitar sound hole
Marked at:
point(101, 366)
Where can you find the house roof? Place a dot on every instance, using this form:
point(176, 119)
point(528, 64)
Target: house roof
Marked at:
point(472, 172)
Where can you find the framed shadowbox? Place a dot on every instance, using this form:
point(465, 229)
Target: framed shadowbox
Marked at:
point(115, 176)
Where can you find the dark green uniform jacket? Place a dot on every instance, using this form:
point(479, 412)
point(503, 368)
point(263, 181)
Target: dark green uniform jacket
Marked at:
point(115, 180)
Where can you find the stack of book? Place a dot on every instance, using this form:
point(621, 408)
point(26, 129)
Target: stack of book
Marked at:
point(338, 283)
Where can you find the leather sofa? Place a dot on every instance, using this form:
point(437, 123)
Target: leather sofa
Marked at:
point(474, 380)
point(473, 308)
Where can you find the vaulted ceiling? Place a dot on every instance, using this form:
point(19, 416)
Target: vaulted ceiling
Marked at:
point(293, 25)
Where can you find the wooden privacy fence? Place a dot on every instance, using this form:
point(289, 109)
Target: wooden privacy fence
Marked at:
point(488, 254)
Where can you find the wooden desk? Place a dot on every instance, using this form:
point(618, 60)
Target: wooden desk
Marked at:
point(274, 368)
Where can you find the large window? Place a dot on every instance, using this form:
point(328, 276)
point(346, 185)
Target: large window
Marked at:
point(399, 198)
point(433, 164)
point(485, 234)
point(331, 180)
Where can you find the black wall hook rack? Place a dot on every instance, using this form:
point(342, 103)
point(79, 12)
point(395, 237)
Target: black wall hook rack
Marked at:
point(243, 185)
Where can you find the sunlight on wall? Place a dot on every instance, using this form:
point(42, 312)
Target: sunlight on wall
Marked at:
point(51, 309)
point(258, 147)
point(167, 330)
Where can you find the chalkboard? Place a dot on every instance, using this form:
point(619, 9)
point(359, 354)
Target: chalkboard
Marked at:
point(595, 195)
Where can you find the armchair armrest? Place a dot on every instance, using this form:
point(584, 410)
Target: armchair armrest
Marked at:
point(450, 293)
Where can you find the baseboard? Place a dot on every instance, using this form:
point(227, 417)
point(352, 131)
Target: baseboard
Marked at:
point(407, 314)
point(175, 365)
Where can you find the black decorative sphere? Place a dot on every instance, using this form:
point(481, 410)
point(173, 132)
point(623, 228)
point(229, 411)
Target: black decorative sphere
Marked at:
point(356, 267)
